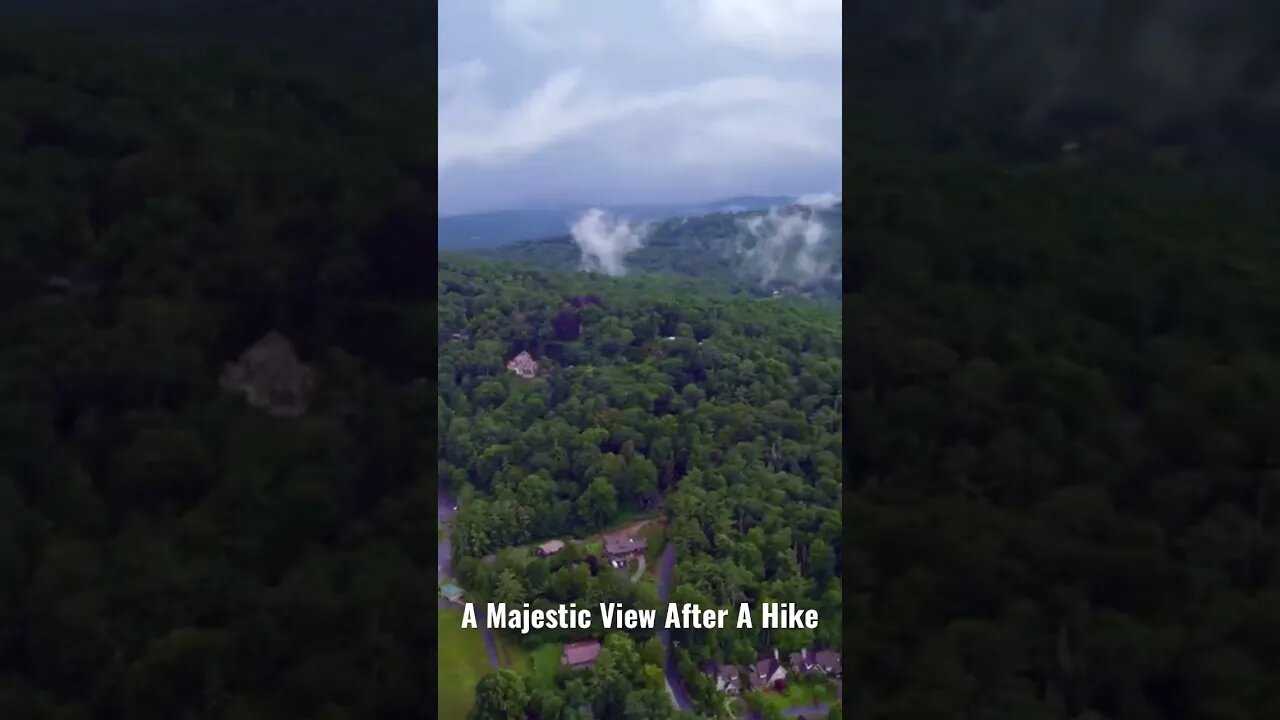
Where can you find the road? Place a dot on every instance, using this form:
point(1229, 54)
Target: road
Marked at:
point(675, 686)
point(444, 560)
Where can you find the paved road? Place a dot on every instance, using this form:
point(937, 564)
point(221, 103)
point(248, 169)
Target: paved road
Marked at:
point(675, 686)
point(444, 560)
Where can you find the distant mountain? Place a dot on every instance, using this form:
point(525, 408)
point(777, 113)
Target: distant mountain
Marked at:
point(473, 231)
point(789, 249)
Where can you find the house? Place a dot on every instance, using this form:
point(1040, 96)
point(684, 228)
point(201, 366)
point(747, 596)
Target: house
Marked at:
point(523, 365)
point(547, 549)
point(766, 671)
point(801, 662)
point(619, 548)
point(271, 377)
point(578, 655)
point(728, 678)
point(828, 661)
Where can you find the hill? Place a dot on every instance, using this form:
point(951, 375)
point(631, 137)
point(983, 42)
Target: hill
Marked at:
point(472, 231)
point(790, 249)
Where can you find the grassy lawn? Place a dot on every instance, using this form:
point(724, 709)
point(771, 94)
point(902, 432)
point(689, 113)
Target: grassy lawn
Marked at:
point(463, 661)
point(544, 661)
point(512, 656)
point(801, 694)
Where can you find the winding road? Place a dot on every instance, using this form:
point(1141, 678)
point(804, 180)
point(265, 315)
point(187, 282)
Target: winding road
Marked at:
point(444, 560)
point(675, 686)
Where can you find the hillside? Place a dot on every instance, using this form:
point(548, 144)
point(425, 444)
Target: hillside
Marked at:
point(472, 231)
point(792, 249)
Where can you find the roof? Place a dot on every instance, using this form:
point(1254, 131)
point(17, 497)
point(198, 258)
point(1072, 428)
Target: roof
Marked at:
point(620, 544)
point(580, 653)
point(552, 546)
point(450, 590)
point(826, 658)
point(271, 376)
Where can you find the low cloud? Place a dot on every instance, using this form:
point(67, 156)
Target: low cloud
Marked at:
point(820, 201)
point(605, 241)
point(789, 245)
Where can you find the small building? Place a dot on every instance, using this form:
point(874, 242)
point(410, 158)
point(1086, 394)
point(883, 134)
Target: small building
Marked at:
point(271, 377)
point(801, 662)
point(547, 549)
point(451, 592)
point(523, 365)
point(766, 671)
point(828, 661)
point(579, 655)
point(728, 678)
point(620, 548)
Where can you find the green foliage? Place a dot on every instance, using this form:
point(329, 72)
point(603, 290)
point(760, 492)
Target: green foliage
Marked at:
point(1065, 391)
point(166, 551)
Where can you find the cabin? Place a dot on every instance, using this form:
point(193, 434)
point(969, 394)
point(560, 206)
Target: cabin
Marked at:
point(523, 365)
point(766, 671)
point(271, 377)
point(547, 549)
point(801, 662)
point(828, 661)
point(619, 549)
point(728, 679)
point(579, 655)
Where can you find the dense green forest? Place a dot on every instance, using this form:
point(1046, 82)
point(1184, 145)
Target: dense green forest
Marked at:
point(1064, 395)
point(791, 248)
point(166, 549)
point(649, 392)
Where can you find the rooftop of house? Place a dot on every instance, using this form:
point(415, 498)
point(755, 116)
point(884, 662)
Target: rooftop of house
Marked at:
point(621, 544)
point(580, 653)
point(271, 376)
point(551, 546)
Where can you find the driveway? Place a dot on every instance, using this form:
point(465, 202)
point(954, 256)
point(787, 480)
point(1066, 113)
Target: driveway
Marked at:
point(675, 686)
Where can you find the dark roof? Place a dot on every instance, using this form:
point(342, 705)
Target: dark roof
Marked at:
point(620, 545)
point(826, 658)
point(580, 653)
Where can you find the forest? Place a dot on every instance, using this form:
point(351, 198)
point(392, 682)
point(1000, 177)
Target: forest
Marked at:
point(789, 248)
point(716, 416)
point(168, 550)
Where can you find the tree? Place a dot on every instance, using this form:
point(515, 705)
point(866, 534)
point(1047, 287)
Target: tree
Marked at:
point(500, 695)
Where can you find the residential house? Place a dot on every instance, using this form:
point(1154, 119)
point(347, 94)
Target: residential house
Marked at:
point(547, 549)
point(766, 671)
point(828, 661)
point(728, 678)
point(801, 662)
point(271, 377)
point(523, 365)
point(619, 548)
point(579, 655)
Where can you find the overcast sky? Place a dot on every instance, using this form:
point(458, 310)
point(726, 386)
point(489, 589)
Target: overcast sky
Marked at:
point(622, 101)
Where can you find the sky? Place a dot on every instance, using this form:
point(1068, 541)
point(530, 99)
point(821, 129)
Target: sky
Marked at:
point(549, 102)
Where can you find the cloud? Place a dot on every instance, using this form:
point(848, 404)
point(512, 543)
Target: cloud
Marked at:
point(789, 245)
point(606, 241)
point(820, 201)
point(778, 27)
point(704, 123)
point(542, 25)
